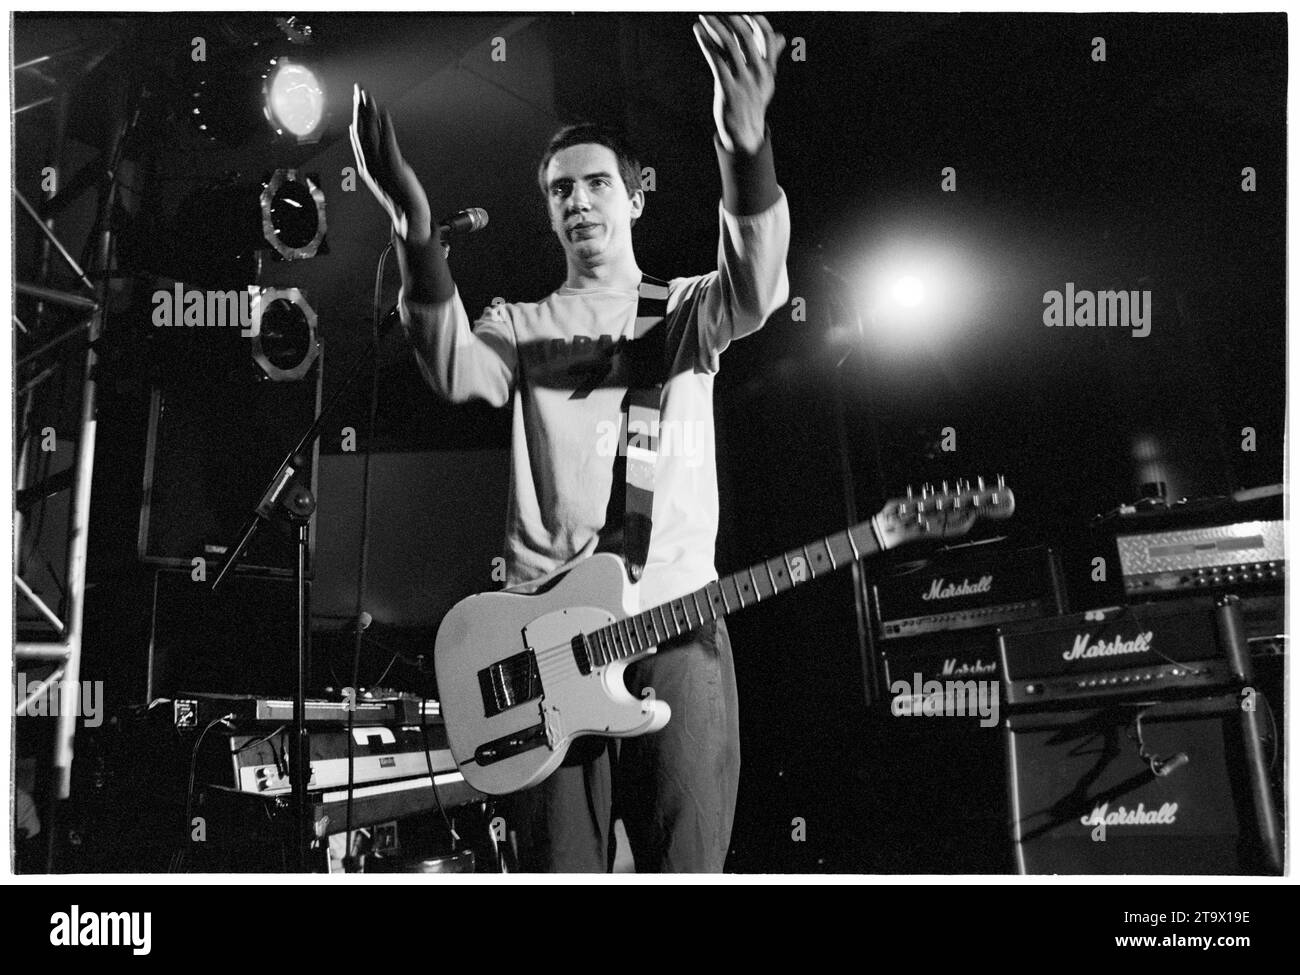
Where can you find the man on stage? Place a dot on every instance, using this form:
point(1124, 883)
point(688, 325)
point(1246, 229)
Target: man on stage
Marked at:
point(574, 367)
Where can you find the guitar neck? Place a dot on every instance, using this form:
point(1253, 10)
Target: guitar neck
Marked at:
point(762, 580)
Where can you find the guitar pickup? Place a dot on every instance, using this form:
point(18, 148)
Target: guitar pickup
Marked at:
point(509, 683)
point(503, 748)
point(581, 655)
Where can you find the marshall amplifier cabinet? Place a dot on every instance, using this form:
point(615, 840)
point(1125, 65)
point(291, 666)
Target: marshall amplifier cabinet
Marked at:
point(1147, 650)
point(1172, 787)
point(939, 799)
point(937, 620)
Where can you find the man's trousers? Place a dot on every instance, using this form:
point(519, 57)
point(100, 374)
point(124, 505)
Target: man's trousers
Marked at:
point(674, 789)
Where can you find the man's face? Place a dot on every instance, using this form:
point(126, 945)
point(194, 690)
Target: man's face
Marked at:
point(591, 211)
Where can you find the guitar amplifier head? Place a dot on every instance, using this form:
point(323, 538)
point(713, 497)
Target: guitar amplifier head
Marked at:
point(973, 587)
point(937, 620)
point(1150, 649)
point(1243, 555)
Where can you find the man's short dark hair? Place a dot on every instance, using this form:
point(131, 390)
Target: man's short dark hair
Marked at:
point(591, 133)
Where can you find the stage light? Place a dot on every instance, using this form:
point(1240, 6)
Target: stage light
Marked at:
point(256, 72)
point(293, 214)
point(218, 234)
point(908, 291)
point(295, 99)
point(285, 343)
point(915, 289)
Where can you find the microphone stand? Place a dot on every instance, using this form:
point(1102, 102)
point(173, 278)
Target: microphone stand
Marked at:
point(287, 498)
point(871, 685)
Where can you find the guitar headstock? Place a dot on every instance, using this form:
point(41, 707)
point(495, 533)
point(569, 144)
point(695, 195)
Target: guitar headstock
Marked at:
point(943, 513)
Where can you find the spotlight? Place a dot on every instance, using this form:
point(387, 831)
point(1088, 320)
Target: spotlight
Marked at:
point(293, 214)
point(294, 99)
point(284, 342)
point(216, 233)
point(916, 289)
point(908, 291)
point(254, 74)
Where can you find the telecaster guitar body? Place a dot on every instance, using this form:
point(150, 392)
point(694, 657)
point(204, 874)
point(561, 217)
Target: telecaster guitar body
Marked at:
point(538, 712)
point(522, 675)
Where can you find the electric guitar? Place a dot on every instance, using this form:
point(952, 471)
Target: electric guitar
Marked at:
point(520, 676)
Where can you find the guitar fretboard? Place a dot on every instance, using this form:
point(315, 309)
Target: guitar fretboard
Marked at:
point(762, 580)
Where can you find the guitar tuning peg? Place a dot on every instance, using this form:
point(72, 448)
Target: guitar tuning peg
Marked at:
point(909, 492)
point(945, 487)
point(1002, 483)
point(980, 481)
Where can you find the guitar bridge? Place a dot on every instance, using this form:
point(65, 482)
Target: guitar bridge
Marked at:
point(503, 748)
point(509, 683)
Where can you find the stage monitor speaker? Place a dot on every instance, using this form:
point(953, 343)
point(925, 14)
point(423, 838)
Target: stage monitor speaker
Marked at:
point(1179, 787)
point(241, 639)
point(217, 434)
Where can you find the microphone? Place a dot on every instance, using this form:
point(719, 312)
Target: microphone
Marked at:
point(464, 222)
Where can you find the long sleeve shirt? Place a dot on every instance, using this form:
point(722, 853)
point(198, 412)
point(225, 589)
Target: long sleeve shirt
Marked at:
point(559, 364)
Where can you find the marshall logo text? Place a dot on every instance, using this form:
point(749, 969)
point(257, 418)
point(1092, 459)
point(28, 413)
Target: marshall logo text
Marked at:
point(1084, 649)
point(964, 669)
point(1121, 816)
point(966, 588)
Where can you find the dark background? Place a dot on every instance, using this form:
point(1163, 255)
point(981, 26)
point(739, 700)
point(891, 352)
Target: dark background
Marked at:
point(1117, 175)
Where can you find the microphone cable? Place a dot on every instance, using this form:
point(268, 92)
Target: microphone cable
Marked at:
point(364, 560)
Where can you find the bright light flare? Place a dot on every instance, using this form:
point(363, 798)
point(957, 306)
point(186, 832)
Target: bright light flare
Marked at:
point(917, 290)
point(295, 99)
point(909, 291)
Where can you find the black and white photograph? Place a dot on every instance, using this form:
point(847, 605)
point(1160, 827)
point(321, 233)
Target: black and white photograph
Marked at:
point(757, 444)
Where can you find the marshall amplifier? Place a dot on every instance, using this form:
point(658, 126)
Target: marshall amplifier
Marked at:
point(937, 620)
point(1151, 649)
point(1175, 787)
point(939, 782)
point(968, 655)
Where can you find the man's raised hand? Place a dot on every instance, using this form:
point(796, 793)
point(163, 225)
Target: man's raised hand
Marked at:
point(380, 163)
point(742, 53)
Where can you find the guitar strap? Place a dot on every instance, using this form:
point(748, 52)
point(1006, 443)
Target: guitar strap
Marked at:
point(647, 371)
